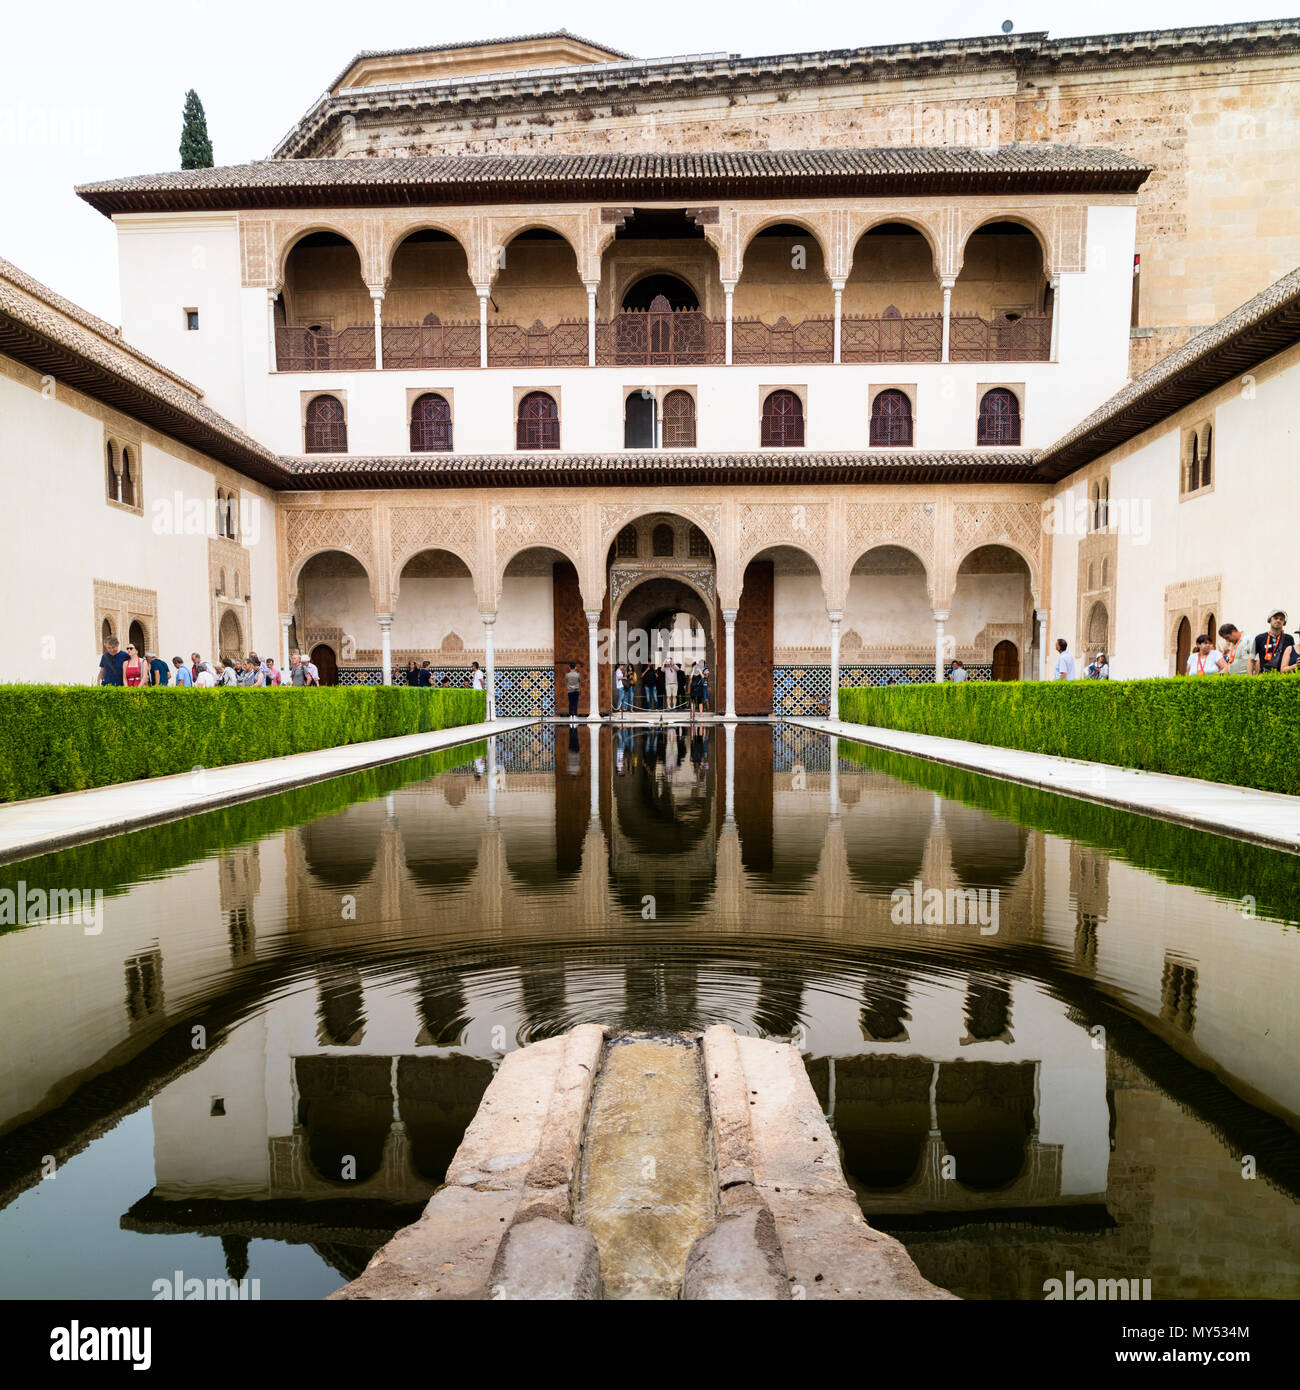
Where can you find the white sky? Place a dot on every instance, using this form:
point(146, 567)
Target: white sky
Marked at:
point(94, 90)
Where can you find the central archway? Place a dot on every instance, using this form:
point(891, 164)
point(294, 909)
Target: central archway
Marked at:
point(663, 615)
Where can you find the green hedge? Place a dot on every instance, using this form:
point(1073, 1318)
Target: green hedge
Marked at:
point(67, 738)
point(1243, 730)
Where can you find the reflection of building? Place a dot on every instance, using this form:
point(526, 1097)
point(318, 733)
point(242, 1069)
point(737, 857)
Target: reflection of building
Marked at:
point(778, 350)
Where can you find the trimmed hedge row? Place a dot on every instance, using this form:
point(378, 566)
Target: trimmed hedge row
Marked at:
point(1242, 730)
point(67, 738)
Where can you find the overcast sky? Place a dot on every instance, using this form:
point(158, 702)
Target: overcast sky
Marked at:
point(94, 90)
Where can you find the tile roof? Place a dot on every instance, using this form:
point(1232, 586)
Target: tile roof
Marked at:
point(1257, 330)
point(466, 179)
point(51, 335)
point(643, 466)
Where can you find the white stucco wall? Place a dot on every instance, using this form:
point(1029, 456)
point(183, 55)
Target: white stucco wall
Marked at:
point(1238, 532)
point(64, 535)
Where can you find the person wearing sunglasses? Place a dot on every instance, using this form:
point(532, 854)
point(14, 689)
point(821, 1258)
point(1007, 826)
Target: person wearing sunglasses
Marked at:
point(133, 669)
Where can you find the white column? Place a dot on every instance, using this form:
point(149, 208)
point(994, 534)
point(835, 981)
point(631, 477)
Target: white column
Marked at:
point(386, 646)
point(1055, 283)
point(593, 670)
point(492, 777)
point(593, 756)
point(591, 324)
point(378, 297)
point(940, 617)
point(947, 318)
point(483, 292)
point(489, 662)
point(729, 290)
point(838, 287)
point(271, 297)
point(835, 779)
point(285, 620)
point(729, 619)
point(833, 704)
point(1040, 617)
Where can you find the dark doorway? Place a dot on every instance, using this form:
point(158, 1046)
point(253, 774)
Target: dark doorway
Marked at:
point(677, 292)
point(639, 421)
point(326, 664)
point(1006, 662)
point(1184, 647)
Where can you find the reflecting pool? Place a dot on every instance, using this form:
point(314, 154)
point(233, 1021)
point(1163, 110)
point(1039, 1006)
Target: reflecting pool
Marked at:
point(1048, 1036)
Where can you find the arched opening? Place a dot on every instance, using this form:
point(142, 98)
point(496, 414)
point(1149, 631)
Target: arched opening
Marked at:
point(437, 1098)
point(334, 611)
point(537, 316)
point(882, 1117)
point(891, 420)
point(345, 1109)
point(1001, 302)
point(679, 420)
point(430, 424)
point(999, 419)
point(1182, 647)
point(885, 835)
point(324, 318)
point(892, 303)
point(1211, 627)
point(129, 477)
point(641, 296)
point(640, 420)
point(660, 293)
point(783, 306)
point(992, 601)
point(434, 600)
point(326, 663)
point(137, 636)
point(783, 594)
point(537, 425)
point(230, 640)
point(1097, 632)
point(986, 852)
point(986, 1115)
point(662, 541)
point(341, 851)
point(430, 310)
point(325, 426)
point(782, 423)
point(887, 616)
point(105, 630)
point(1006, 661)
point(440, 852)
point(113, 477)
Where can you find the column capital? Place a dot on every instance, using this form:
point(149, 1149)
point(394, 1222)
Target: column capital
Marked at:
point(947, 285)
point(838, 285)
point(483, 291)
point(941, 614)
point(385, 619)
point(728, 286)
point(591, 286)
point(836, 615)
point(1040, 615)
point(286, 619)
point(272, 293)
point(729, 614)
point(376, 292)
point(593, 616)
point(488, 618)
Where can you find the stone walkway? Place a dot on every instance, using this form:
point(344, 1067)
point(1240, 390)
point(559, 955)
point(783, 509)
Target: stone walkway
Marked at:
point(1267, 818)
point(50, 822)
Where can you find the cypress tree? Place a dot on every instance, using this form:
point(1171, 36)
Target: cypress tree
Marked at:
point(196, 147)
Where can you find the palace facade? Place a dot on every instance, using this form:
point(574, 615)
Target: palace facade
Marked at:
point(517, 347)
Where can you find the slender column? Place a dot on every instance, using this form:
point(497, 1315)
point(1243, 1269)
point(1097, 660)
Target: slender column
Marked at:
point(386, 646)
point(833, 704)
point(834, 807)
point(729, 618)
point(1040, 617)
point(593, 670)
point(729, 290)
point(838, 287)
point(591, 324)
point(940, 617)
point(593, 757)
point(1055, 283)
point(271, 297)
point(483, 292)
point(489, 661)
point(947, 318)
point(378, 297)
point(285, 620)
point(492, 777)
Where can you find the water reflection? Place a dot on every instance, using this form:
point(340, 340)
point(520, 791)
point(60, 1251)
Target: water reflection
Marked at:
point(306, 1021)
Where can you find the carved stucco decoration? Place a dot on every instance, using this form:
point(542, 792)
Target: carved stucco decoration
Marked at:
point(308, 533)
point(516, 528)
point(1016, 525)
point(804, 525)
point(413, 529)
point(623, 579)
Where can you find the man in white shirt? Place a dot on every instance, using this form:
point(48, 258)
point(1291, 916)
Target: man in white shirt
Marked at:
point(1205, 660)
point(476, 675)
point(1064, 661)
point(958, 673)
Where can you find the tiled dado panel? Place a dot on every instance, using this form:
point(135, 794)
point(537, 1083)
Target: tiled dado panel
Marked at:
point(806, 690)
point(522, 691)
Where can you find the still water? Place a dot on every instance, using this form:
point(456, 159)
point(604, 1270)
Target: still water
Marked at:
point(1049, 1036)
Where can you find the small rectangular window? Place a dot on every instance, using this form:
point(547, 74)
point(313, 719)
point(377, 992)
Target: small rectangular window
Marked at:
point(192, 320)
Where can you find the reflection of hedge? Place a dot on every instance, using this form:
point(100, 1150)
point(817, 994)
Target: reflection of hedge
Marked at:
point(66, 738)
point(1228, 869)
point(117, 864)
point(1243, 730)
